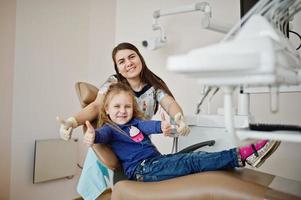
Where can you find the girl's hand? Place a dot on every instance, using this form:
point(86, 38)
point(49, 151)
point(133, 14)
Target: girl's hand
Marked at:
point(165, 126)
point(89, 136)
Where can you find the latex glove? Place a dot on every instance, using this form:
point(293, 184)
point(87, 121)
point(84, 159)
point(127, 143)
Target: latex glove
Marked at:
point(182, 127)
point(66, 127)
point(165, 126)
point(89, 136)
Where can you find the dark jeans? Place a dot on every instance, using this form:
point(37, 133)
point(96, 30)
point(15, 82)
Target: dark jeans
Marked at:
point(174, 165)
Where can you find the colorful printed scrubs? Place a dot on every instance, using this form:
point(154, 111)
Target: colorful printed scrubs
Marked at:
point(148, 98)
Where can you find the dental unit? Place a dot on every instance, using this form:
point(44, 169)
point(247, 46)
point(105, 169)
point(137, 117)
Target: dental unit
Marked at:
point(255, 55)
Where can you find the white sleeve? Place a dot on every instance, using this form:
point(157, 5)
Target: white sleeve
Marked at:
point(105, 86)
point(160, 94)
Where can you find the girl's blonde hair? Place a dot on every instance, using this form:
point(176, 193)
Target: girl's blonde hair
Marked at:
point(114, 89)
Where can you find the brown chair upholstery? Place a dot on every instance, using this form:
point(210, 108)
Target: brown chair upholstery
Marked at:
point(218, 185)
point(86, 94)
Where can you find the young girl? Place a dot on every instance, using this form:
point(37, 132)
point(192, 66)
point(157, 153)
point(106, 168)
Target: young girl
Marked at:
point(124, 128)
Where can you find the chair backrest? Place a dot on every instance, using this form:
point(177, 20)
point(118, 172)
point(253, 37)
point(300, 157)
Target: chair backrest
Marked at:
point(87, 93)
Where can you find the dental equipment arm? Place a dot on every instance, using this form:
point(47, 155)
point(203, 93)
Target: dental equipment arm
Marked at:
point(206, 22)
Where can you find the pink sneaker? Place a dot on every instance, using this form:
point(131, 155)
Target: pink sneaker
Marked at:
point(256, 154)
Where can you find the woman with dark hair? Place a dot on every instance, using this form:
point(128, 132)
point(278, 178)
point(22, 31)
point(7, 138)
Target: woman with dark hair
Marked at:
point(149, 89)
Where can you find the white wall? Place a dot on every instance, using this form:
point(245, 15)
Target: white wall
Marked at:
point(7, 41)
point(57, 43)
point(134, 23)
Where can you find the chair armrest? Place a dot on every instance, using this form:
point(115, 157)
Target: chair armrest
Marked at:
point(197, 146)
point(107, 156)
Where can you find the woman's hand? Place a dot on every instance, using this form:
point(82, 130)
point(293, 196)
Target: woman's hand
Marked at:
point(165, 126)
point(182, 128)
point(89, 136)
point(66, 127)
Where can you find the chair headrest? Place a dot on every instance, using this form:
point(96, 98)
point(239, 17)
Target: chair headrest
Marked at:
point(86, 93)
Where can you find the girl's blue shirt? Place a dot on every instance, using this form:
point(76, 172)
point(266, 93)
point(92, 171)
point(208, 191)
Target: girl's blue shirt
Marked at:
point(129, 151)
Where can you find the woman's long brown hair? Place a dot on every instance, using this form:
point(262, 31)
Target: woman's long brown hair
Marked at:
point(114, 89)
point(146, 75)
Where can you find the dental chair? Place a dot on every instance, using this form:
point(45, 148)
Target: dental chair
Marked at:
point(237, 184)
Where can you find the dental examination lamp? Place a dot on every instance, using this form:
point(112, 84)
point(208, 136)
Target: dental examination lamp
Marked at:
point(155, 42)
point(206, 22)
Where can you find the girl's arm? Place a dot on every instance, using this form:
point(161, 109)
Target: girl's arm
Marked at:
point(151, 126)
point(102, 135)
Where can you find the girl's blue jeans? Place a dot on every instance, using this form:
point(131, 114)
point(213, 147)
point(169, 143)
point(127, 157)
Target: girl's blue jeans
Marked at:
point(174, 165)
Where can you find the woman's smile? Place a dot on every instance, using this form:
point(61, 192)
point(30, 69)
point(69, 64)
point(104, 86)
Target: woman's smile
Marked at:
point(128, 63)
